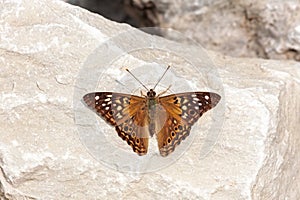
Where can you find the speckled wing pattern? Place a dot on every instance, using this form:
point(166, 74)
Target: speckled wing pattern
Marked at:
point(183, 112)
point(127, 113)
point(130, 116)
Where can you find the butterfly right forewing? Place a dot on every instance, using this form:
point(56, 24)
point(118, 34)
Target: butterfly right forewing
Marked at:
point(126, 112)
point(183, 111)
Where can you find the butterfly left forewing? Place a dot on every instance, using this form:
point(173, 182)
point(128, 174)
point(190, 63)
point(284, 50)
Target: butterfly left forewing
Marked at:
point(127, 113)
point(183, 110)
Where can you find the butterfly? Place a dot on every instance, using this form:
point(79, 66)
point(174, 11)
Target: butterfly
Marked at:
point(135, 118)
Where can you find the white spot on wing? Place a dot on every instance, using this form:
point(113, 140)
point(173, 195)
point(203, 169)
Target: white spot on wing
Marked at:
point(97, 97)
point(185, 101)
point(119, 115)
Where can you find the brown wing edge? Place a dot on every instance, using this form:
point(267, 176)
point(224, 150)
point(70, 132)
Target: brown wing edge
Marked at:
point(90, 102)
point(138, 145)
point(214, 98)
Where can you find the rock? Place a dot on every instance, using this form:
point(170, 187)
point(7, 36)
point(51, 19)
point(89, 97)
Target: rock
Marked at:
point(267, 29)
point(135, 13)
point(53, 53)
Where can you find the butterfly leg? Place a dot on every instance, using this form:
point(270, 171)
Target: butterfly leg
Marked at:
point(163, 92)
point(142, 94)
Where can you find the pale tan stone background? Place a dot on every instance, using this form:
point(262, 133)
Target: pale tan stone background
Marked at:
point(43, 44)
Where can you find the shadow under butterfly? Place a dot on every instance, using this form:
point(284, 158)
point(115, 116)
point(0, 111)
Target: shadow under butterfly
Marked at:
point(135, 118)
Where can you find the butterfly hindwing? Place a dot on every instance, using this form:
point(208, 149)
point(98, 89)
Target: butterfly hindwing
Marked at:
point(127, 113)
point(129, 134)
point(171, 135)
point(183, 109)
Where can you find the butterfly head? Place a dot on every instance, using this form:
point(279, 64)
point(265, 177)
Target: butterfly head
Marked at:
point(151, 93)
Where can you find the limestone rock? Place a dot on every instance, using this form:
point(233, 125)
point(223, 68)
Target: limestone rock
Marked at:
point(48, 49)
point(267, 29)
point(135, 13)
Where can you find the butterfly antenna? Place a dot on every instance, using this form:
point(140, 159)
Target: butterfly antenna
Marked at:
point(137, 79)
point(162, 76)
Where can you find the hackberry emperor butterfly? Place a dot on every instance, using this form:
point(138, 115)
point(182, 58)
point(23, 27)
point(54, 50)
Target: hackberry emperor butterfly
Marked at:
point(136, 118)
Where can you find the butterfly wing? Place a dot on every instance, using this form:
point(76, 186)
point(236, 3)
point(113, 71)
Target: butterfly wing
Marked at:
point(127, 113)
point(183, 110)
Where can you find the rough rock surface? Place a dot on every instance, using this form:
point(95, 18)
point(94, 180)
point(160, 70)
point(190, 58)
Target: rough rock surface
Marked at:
point(135, 13)
point(43, 46)
point(267, 29)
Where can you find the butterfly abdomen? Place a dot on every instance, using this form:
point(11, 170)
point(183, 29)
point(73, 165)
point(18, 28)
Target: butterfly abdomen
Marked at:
point(152, 107)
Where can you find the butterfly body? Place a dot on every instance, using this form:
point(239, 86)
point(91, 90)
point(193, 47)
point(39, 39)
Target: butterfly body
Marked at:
point(151, 102)
point(136, 118)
